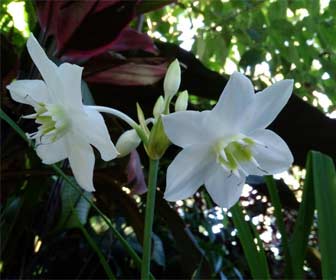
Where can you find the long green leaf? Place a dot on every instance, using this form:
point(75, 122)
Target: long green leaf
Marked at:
point(59, 171)
point(94, 246)
point(324, 177)
point(255, 259)
point(302, 228)
point(272, 189)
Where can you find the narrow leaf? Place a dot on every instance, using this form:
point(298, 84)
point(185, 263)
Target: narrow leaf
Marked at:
point(256, 263)
point(272, 189)
point(324, 175)
point(299, 239)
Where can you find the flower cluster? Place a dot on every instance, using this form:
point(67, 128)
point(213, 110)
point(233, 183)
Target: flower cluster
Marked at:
point(220, 148)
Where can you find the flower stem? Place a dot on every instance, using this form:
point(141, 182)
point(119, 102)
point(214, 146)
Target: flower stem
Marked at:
point(149, 217)
point(124, 117)
point(116, 113)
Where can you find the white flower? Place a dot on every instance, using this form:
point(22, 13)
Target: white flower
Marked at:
point(222, 146)
point(67, 127)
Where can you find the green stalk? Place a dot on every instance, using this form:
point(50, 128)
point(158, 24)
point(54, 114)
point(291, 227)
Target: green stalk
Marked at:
point(149, 217)
point(59, 171)
point(273, 191)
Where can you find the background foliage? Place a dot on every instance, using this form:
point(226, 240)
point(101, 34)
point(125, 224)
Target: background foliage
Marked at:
point(49, 231)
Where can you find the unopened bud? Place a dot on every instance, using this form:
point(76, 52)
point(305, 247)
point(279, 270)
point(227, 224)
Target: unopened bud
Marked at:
point(172, 79)
point(127, 142)
point(181, 103)
point(159, 107)
point(158, 141)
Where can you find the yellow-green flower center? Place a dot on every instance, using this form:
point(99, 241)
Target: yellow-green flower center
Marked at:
point(53, 121)
point(230, 154)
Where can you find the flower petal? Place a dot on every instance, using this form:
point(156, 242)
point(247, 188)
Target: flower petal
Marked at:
point(53, 152)
point(47, 68)
point(223, 187)
point(236, 97)
point(81, 159)
point(268, 104)
point(187, 172)
point(96, 133)
point(185, 128)
point(29, 91)
point(271, 152)
point(71, 77)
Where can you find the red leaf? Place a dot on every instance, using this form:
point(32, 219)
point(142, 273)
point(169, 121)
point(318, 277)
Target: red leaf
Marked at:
point(85, 27)
point(135, 174)
point(130, 39)
point(135, 72)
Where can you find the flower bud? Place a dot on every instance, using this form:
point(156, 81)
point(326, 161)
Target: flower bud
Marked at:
point(172, 79)
point(159, 107)
point(181, 103)
point(127, 142)
point(158, 141)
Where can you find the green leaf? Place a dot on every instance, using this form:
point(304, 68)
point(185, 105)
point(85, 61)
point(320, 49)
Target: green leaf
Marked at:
point(299, 239)
point(272, 189)
point(324, 178)
point(255, 259)
point(75, 208)
point(95, 247)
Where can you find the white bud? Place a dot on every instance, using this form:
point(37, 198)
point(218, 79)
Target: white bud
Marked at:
point(159, 107)
point(181, 103)
point(127, 142)
point(172, 79)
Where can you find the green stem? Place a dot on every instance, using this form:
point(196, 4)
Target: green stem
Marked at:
point(121, 239)
point(124, 117)
point(273, 191)
point(149, 217)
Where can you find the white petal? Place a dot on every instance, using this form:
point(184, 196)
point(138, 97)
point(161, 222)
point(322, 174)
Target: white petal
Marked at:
point(268, 104)
point(186, 128)
point(187, 172)
point(273, 155)
point(71, 77)
point(236, 97)
point(29, 91)
point(223, 187)
point(96, 133)
point(53, 152)
point(81, 159)
point(47, 68)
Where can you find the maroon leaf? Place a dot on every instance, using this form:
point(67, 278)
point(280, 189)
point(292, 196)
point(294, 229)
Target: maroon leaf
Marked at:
point(130, 39)
point(47, 12)
point(85, 27)
point(135, 175)
point(131, 72)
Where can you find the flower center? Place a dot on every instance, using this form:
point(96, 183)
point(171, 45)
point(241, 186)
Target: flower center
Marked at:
point(53, 121)
point(231, 153)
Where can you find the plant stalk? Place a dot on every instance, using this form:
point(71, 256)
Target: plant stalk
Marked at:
point(149, 217)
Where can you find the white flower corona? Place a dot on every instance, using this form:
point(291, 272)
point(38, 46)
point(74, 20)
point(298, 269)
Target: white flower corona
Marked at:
point(67, 127)
point(223, 146)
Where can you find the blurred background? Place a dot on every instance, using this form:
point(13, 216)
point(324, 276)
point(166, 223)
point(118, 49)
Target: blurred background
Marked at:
point(47, 229)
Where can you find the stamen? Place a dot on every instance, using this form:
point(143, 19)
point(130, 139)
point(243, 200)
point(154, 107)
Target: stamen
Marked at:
point(31, 116)
point(266, 172)
point(223, 155)
point(236, 172)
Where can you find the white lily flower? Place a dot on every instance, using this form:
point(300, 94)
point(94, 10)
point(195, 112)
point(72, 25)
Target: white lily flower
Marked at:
point(223, 146)
point(67, 127)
